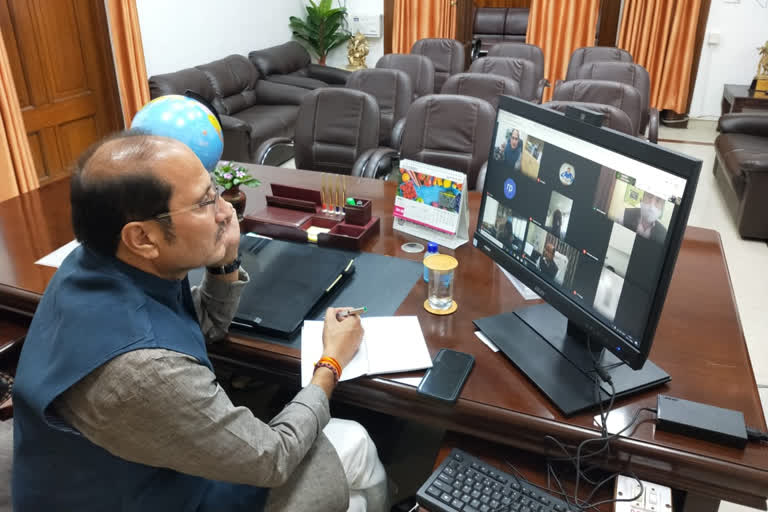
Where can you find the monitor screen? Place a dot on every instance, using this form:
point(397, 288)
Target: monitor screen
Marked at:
point(589, 218)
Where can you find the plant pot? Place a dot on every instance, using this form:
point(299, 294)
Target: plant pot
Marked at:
point(236, 198)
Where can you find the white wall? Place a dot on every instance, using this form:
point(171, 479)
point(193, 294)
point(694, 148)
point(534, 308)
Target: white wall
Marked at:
point(743, 26)
point(338, 57)
point(178, 34)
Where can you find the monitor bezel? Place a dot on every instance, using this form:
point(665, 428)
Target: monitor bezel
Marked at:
point(632, 147)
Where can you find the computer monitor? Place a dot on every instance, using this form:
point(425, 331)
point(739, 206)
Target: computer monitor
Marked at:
point(592, 220)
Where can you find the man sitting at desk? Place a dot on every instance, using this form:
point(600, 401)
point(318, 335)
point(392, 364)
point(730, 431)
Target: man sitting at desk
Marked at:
point(548, 265)
point(116, 403)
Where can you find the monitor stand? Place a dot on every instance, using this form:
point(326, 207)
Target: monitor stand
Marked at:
point(541, 342)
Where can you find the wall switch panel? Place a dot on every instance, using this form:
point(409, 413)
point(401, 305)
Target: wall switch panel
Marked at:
point(655, 497)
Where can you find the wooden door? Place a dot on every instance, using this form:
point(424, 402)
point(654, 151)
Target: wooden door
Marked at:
point(61, 60)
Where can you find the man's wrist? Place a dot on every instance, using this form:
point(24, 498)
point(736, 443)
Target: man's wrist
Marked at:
point(226, 268)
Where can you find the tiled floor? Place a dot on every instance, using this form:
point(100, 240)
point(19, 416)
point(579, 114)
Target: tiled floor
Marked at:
point(746, 259)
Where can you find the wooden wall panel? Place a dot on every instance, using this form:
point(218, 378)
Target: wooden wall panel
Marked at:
point(76, 136)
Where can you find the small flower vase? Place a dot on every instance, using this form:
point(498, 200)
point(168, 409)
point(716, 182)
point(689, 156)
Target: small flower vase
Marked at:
point(236, 198)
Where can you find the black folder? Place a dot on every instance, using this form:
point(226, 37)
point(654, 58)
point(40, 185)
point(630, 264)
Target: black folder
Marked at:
point(288, 280)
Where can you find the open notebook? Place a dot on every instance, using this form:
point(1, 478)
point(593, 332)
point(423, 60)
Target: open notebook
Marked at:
point(390, 344)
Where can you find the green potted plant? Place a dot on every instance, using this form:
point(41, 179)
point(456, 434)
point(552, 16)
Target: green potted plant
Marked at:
point(230, 176)
point(323, 29)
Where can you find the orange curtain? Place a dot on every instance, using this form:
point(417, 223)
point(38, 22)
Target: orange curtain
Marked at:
point(130, 67)
point(17, 168)
point(558, 27)
point(661, 36)
point(420, 19)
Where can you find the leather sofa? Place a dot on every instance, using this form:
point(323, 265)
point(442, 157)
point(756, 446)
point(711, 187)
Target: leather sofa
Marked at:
point(741, 168)
point(497, 24)
point(250, 108)
point(290, 64)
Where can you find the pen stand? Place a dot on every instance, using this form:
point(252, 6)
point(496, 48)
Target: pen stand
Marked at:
point(295, 213)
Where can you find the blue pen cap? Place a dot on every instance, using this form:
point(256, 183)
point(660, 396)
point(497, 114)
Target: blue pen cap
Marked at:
point(431, 247)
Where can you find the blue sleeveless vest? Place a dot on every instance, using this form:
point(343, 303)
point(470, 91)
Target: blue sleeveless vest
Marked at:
point(94, 309)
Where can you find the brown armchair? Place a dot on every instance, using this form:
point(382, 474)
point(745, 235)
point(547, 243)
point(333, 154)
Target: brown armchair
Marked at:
point(741, 168)
point(485, 87)
point(251, 109)
point(632, 74)
point(622, 96)
point(447, 130)
point(418, 67)
point(334, 127)
point(289, 63)
point(497, 24)
point(392, 90)
point(583, 56)
point(522, 71)
point(446, 54)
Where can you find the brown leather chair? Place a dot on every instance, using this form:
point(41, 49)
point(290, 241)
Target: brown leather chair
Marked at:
point(419, 68)
point(622, 96)
point(251, 110)
point(496, 24)
point(614, 117)
point(289, 63)
point(741, 168)
point(447, 130)
point(520, 70)
point(632, 74)
point(583, 56)
point(529, 52)
point(446, 54)
point(393, 91)
point(334, 127)
point(485, 87)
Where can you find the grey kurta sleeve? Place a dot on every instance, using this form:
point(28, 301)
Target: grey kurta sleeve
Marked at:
point(216, 303)
point(162, 408)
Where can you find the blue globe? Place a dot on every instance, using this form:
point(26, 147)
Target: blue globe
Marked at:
point(186, 120)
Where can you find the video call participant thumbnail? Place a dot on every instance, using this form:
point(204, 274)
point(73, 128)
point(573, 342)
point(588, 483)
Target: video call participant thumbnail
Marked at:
point(645, 220)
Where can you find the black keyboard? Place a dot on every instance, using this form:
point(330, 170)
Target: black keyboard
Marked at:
point(465, 483)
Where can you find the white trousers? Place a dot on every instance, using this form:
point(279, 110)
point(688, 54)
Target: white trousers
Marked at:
point(365, 474)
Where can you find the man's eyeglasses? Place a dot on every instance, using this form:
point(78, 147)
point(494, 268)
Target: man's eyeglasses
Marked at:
point(202, 204)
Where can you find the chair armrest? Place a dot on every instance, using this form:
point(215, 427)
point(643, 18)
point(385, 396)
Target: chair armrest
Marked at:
point(397, 134)
point(653, 125)
point(268, 145)
point(748, 124)
point(304, 82)
point(543, 83)
point(328, 74)
point(230, 123)
point(274, 93)
point(474, 53)
point(375, 163)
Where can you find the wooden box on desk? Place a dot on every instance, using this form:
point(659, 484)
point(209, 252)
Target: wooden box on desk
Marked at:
point(291, 211)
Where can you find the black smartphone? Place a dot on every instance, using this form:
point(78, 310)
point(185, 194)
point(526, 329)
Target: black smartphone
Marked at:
point(446, 377)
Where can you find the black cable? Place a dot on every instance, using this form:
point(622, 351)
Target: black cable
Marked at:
point(754, 434)
point(514, 468)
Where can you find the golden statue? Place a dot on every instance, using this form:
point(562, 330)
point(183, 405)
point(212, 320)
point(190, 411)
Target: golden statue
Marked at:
point(357, 50)
point(761, 79)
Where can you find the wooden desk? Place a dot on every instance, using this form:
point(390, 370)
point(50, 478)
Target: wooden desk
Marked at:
point(738, 97)
point(699, 342)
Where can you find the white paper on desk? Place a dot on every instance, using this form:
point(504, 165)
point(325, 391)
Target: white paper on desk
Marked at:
point(526, 292)
point(55, 258)
point(390, 344)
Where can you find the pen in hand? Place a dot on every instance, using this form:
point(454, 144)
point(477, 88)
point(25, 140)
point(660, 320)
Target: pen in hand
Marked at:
point(341, 315)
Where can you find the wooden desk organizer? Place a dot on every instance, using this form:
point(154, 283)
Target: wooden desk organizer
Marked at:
point(291, 211)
